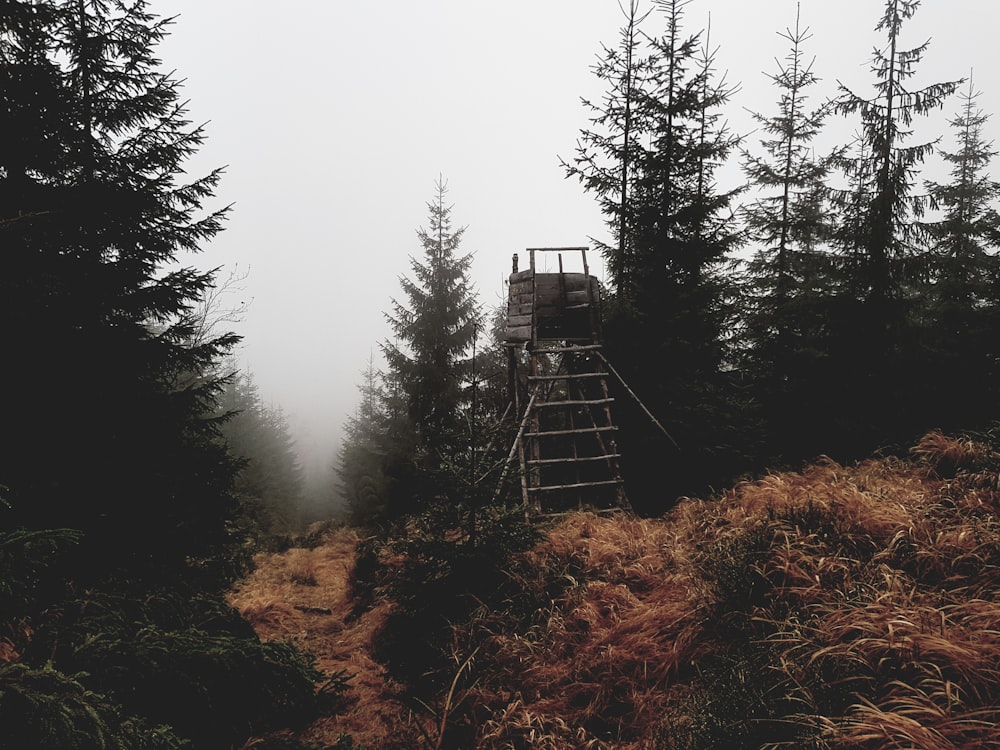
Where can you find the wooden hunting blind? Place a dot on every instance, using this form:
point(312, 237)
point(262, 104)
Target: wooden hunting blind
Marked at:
point(558, 382)
point(552, 306)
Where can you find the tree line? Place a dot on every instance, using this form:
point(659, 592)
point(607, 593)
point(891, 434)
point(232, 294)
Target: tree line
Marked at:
point(832, 304)
point(864, 313)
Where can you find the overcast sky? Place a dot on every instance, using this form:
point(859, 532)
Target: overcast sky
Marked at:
point(335, 118)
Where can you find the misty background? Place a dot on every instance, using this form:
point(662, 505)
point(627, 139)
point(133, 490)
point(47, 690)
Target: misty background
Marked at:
point(336, 118)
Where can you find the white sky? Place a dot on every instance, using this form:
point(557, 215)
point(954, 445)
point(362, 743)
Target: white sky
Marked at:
point(335, 117)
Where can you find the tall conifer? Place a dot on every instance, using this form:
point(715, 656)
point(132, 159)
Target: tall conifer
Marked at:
point(608, 152)
point(104, 428)
point(886, 166)
point(107, 406)
point(788, 274)
point(881, 239)
point(961, 313)
point(433, 330)
point(675, 291)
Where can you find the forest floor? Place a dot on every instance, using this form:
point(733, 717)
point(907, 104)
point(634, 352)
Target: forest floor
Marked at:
point(840, 606)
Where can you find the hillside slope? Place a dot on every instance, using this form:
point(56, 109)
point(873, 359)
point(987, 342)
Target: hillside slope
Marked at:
point(841, 606)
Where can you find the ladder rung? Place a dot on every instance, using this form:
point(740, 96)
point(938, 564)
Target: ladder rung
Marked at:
point(575, 402)
point(578, 485)
point(571, 459)
point(564, 349)
point(569, 376)
point(577, 431)
point(595, 511)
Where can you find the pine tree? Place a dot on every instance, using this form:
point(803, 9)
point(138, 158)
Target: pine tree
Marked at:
point(651, 160)
point(674, 293)
point(105, 430)
point(607, 153)
point(434, 329)
point(881, 238)
point(963, 298)
point(269, 484)
point(887, 167)
point(108, 397)
point(362, 461)
point(788, 275)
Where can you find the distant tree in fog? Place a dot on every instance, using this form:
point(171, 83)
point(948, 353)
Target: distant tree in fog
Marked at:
point(362, 461)
point(269, 482)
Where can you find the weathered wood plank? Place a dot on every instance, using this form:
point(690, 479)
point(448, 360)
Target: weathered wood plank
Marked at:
point(572, 459)
point(520, 333)
point(577, 402)
point(516, 321)
point(520, 276)
point(578, 485)
point(567, 376)
point(577, 431)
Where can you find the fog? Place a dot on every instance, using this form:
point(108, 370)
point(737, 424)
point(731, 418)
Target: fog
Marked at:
point(335, 118)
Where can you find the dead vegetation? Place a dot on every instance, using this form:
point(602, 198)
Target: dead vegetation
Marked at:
point(837, 607)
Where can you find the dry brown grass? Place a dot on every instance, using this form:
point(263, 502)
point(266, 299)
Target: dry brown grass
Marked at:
point(604, 649)
point(949, 454)
point(873, 590)
point(280, 608)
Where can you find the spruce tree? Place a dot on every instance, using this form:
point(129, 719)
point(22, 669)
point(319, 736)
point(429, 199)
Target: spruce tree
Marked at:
point(433, 331)
point(607, 153)
point(888, 166)
point(108, 399)
point(962, 308)
point(269, 484)
point(788, 275)
point(362, 460)
point(880, 240)
point(683, 231)
point(105, 431)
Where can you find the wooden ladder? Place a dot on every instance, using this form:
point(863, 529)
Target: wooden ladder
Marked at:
point(568, 448)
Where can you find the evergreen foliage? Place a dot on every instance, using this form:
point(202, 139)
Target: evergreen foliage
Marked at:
point(959, 315)
point(879, 244)
point(884, 168)
point(179, 660)
point(786, 302)
point(440, 576)
point(609, 152)
point(847, 323)
point(92, 214)
point(43, 708)
point(121, 531)
point(670, 303)
point(26, 558)
point(364, 458)
point(269, 483)
point(411, 423)
point(433, 330)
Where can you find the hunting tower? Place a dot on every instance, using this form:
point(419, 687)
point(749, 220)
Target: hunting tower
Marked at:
point(557, 377)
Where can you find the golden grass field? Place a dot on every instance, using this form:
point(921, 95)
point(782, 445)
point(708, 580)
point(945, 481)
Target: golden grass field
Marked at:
point(836, 607)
